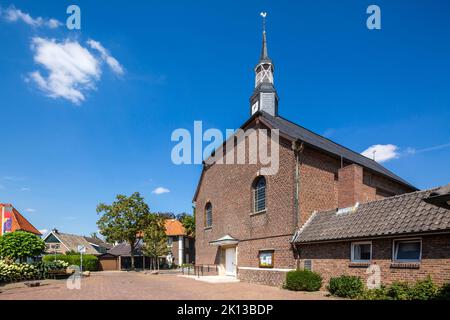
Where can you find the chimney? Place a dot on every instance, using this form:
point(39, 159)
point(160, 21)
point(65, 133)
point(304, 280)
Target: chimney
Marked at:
point(350, 185)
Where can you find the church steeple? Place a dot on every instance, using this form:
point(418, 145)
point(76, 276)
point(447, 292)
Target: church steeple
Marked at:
point(264, 96)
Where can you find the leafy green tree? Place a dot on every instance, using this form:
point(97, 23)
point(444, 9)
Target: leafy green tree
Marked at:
point(155, 239)
point(124, 219)
point(188, 222)
point(20, 245)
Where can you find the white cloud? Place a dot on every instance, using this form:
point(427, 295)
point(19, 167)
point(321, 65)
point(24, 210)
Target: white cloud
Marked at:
point(13, 15)
point(43, 231)
point(30, 210)
point(106, 56)
point(160, 190)
point(382, 152)
point(72, 69)
point(24, 189)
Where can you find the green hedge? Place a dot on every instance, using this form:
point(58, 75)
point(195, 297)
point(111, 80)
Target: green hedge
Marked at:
point(353, 287)
point(90, 262)
point(303, 280)
point(420, 290)
point(346, 286)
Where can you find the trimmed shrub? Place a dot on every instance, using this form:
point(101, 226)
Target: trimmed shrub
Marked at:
point(346, 287)
point(303, 280)
point(90, 262)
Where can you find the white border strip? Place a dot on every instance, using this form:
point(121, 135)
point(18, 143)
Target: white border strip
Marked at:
point(266, 269)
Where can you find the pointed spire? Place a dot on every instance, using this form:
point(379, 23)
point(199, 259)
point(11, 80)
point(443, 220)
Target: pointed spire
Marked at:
point(264, 54)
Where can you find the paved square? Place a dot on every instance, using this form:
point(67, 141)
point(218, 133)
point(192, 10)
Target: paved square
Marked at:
point(137, 285)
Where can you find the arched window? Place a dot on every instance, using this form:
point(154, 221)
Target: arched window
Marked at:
point(208, 215)
point(259, 194)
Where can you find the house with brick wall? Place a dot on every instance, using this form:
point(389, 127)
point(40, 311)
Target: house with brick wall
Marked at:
point(256, 227)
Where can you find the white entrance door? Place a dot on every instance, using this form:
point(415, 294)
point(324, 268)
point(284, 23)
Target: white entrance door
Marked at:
point(230, 262)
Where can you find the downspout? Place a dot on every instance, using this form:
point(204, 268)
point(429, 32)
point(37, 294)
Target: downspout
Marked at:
point(297, 147)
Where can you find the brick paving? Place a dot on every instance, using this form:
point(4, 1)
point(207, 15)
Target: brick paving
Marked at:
point(141, 286)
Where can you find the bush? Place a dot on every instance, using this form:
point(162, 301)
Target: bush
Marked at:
point(444, 292)
point(12, 272)
point(399, 291)
point(20, 245)
point(90, 262)
point(303, 280)
point(424, 290)
point(420, 290)
point(374, 294)
point(346, 287)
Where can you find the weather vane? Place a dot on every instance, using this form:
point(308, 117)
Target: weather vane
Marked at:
point(264, 15)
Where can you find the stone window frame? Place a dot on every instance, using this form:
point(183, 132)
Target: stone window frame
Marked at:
point(395, 250)
point(253, 192)
point(352, 253)
point(208, 222)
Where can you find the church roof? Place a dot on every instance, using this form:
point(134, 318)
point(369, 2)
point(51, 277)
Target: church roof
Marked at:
point(294, 131)
point(315, 140)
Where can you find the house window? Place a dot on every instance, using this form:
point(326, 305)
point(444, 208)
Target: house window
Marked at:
point(266, 259)
point(170, 241)
point(186, 243)
point(208, 215)
point(361, 251)
point(259, 195)
point(407, 250)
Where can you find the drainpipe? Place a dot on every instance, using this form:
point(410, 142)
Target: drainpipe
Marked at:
point(297, 147)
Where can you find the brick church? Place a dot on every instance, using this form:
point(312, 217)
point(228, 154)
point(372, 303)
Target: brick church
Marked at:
point(328, 209)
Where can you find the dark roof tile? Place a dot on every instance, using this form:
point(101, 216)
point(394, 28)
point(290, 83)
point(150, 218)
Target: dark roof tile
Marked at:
point(402, 214)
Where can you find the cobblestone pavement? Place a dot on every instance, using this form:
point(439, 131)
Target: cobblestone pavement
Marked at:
point(138, 285)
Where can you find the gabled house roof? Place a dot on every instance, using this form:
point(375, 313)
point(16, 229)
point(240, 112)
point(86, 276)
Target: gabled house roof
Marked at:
point(19, 222)
point(72, 241)
point(123, 249)
point(174, 228)
point(293, 131)
point(98, 242)
point(404, 214)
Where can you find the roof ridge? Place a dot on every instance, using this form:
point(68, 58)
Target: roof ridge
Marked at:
point(398, 196)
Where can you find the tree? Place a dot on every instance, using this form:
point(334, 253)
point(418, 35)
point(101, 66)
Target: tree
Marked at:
point(155, 239)
point(20, 245)
point(188, 223)
point(123, 220)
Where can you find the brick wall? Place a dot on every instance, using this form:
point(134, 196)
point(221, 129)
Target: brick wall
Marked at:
point(229, 189)
point(333, 259)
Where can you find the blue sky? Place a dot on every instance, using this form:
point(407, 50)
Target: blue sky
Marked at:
point(180, 61)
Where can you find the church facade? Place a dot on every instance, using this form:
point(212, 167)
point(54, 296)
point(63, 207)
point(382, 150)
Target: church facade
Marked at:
point(249, 224)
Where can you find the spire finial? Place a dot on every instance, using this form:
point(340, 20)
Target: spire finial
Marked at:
point(264, 15)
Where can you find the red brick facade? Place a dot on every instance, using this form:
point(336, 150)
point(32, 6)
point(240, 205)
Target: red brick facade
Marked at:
point(229, 190)
point(333, 259)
